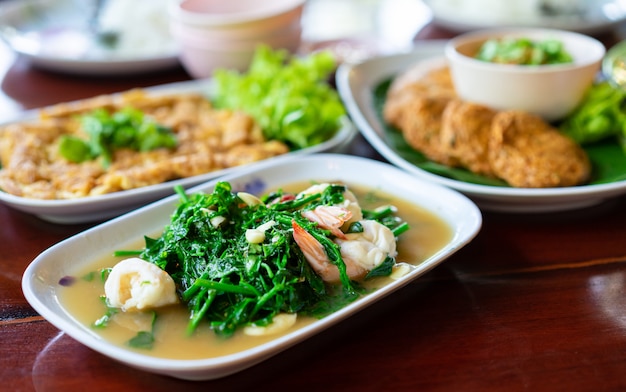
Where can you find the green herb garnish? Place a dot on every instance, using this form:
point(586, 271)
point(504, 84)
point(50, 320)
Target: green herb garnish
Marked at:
point(601, 115)
point(290, 98)
point(110, 312)
point(126, 128)
point(144, 339)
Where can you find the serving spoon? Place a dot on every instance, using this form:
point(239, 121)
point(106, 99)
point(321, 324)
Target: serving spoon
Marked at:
point(106, 38)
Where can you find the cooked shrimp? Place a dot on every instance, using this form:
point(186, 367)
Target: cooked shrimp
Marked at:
point(361, 252)
point(134, 284)
point(350, 201)
point(317, 258)
point(370, 247)
point(329, 218)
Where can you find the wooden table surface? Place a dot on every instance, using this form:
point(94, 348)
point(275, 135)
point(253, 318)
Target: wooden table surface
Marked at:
point(535, 302)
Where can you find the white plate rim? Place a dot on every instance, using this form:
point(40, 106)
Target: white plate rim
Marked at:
point(355, 83)
point(42, 275)
point(97, 66)
point(112, 67)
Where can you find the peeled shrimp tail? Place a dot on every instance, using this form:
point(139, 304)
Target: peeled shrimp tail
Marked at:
point(134, 284)
point(314, 253)
point(317, 257)
point(329, 218)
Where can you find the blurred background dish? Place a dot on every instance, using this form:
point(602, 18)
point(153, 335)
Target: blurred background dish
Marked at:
point(106, 206)
point(355, 30)
point(120, 36)
point(587, 16)
point(58, 35)
point(359, 86)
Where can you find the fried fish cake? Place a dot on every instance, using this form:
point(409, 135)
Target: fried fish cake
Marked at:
point(527, 152)
point(465, 134)
point(419, 119)
point(431, 78)
point(415, 103)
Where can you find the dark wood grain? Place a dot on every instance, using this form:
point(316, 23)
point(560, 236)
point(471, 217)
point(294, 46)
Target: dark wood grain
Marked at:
point(534, 303)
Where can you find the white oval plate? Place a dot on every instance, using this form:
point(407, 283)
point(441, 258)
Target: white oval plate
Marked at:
point(596, 17)
point(54, 35)
point(356, 84)
point(40, 282)
point(101, 207)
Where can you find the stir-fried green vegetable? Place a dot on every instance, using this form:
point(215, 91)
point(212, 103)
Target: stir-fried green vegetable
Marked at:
point(229, 281)
point(290, 98)
point(523, 51)
point(601, 115)
point(126, 128)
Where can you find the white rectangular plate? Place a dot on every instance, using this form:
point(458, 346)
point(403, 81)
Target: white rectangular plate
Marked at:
point(101, 207)
point(41, 287)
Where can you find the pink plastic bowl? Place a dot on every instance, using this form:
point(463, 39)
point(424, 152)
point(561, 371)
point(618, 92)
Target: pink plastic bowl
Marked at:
point(227, 37)
point(201, 58)
point(225, 33)
point(251, 14)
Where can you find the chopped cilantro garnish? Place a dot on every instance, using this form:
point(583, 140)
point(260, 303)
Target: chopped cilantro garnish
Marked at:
point(126, 128)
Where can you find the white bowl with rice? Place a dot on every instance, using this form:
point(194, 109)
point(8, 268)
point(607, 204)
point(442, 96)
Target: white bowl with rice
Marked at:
point(57, 35)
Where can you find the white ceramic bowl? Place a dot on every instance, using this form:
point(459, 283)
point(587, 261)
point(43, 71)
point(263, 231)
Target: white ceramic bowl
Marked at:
point(201, 58)
point(550, 91)
point(233, 33)
point(224, 39)
point(215, 34)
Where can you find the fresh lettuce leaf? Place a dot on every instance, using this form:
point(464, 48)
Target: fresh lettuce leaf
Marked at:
point(289, 97)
